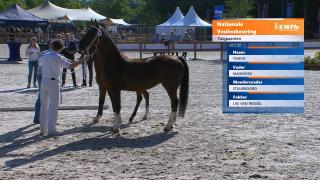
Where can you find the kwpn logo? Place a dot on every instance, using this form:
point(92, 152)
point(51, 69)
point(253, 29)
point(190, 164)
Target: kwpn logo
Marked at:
point(286, 27)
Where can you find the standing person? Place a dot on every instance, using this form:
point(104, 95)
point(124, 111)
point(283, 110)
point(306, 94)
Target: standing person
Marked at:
point(84, 73)
point(32, 52)
point(37, 105)
point(49, 95)
point(69, 51)
point(163, 40)
point(59, 36)
point(186, 38)
point(173, 39)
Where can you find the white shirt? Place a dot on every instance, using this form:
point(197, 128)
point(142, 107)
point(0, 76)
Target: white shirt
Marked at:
point(35, 52)
point(40, 62)
point(52, 63)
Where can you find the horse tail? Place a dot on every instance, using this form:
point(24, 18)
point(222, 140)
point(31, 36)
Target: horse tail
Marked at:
point(184, 89)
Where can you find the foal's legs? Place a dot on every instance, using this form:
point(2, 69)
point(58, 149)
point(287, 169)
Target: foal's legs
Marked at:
point(139, 99)
point(116, 106)
point(146, 97)
point(102, 96)
point(172, 92)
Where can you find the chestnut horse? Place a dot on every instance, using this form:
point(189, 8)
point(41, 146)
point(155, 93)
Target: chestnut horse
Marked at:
point(116, 72)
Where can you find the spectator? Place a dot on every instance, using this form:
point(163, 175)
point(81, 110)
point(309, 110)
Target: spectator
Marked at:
point(173, 39)
point(86, 66)
point(33, 52)
point(164, 41)
point(186, 38)
point(123, 34)
point(68, 51)
point(59, 36)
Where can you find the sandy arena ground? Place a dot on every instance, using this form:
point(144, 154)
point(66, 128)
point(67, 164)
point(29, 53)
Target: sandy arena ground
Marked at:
point(206, 144)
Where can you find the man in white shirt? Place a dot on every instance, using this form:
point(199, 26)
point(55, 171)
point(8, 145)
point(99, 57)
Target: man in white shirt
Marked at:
point(49, 95)
point(36, 119)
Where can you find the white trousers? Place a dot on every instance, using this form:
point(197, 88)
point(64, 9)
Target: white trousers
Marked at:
point(49, 98)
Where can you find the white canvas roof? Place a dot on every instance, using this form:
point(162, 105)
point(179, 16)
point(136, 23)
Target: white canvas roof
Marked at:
point(119, 22)
point(50, 11)
point(176, 17)
point(192, 19)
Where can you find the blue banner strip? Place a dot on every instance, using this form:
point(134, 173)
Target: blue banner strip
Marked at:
point(247, 66)
point(247, 81)
point(267, 51)
point(247, 96)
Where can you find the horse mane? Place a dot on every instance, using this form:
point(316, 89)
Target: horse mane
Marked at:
point(113, 47)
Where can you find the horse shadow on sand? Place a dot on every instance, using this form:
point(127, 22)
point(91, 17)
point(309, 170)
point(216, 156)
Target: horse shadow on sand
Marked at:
point(103, 141)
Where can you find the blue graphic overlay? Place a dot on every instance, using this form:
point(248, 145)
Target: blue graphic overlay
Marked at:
point(263, 77)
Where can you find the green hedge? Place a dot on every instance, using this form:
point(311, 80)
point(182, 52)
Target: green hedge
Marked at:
point(310, 60)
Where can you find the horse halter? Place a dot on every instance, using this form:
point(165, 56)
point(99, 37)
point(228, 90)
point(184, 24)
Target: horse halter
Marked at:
point(94, 42)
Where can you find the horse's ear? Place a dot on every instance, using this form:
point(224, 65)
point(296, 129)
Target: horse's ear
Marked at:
point(96, 23)
point(91, 21)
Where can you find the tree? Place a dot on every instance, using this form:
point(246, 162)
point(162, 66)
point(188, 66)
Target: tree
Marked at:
point(7, 3)
point(33, 3)
point(236, 9)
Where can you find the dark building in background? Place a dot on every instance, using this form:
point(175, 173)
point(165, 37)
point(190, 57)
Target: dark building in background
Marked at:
point(307, 9)
point(312, 19)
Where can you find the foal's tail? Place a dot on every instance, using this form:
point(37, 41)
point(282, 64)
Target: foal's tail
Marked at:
point(184, 89)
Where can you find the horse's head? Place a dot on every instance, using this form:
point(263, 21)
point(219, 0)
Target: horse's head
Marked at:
point(90, 37)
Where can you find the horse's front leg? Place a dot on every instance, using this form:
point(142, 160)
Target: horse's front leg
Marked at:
point(116, 106)
point(102, 96)
point(172, 92)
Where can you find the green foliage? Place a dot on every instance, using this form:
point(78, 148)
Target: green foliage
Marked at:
point(237, 9)
point(33, 3)
point(4, 4)
point(317, 55)
point(72, 4)
point(310, 60)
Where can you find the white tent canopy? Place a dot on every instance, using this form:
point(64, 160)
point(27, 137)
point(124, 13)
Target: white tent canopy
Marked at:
point(192, 19)
point(167, 27)
point(119, 22)
point(187, 23)
point(50, 11)
point(112, 24)
point(176, 17)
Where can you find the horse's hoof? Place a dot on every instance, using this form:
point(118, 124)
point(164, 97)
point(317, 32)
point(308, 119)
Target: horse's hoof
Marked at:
point(167, 129)
point(181, 115)
point(96, 119)
point(115, 130)
point(130, 120)
point(144, 118)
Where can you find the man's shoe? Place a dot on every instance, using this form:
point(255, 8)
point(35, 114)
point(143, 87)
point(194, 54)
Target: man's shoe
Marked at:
point(62, 85)
point(36, 121)
point(35, 86)
point(54, 133)
point(29, 86)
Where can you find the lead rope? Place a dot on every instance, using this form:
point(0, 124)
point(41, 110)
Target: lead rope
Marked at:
point(60, 96)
